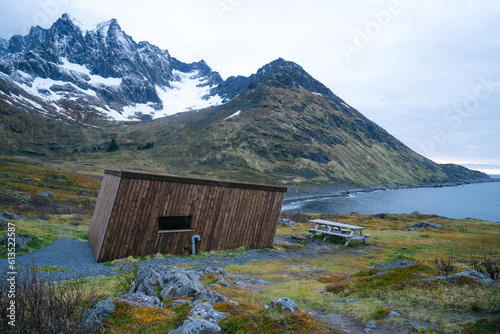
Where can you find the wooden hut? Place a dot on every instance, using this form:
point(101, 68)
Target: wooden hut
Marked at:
point(140, 214)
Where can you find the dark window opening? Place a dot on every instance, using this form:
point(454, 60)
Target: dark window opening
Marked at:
point(174, 223)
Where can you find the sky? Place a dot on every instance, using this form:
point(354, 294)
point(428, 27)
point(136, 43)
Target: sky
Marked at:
point(428, 72)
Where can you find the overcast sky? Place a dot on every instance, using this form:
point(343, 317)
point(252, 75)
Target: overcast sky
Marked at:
point(426, 71)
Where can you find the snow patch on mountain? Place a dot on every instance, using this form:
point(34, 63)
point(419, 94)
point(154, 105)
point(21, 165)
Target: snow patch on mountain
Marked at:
point(235, 114)
point(189, 91)
point(94, 79)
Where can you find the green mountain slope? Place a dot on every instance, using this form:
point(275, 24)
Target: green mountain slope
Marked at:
point(285, 128)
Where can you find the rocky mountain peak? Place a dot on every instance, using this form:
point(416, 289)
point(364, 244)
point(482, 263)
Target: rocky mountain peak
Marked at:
point(121, 79)
point(287, 74)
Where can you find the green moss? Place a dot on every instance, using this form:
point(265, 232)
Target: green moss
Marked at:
point(142, 320)
point(375, 281)
point(483, 326)
point(269, 321)
point(49, 268)
point(380, 313)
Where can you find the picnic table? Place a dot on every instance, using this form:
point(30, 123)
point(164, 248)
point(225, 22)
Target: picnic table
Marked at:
point(346, 231)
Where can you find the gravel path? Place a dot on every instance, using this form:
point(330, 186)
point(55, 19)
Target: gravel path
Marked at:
point(77, 256)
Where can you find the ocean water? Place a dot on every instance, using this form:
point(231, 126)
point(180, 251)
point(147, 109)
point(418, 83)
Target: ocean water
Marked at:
point(477, 200)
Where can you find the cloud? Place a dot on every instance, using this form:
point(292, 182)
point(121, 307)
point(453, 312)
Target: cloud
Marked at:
point(413, 65)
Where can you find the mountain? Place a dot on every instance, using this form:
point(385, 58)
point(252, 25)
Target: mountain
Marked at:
point(73, 69)
point(287, 127)
point(61, 87)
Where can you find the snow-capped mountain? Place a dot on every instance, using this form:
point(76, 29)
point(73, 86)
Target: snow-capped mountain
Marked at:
point(72, 70)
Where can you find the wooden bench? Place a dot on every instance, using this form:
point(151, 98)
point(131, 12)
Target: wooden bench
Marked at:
point(329, 228)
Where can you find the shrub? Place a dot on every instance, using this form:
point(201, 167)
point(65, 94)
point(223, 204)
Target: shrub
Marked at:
point(126, 277)
point(146, 146)
point(485, 263)
point(445, 265)
point(113, 146)
point(43, 305)
point(335, 287)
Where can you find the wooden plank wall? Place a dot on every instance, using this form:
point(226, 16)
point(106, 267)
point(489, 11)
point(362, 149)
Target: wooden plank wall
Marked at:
point(224, 217)
point(102, 212)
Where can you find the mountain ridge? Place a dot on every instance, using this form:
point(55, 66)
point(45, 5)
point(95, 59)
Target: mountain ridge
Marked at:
point(279, 125)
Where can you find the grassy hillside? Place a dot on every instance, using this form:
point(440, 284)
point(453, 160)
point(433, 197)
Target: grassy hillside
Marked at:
point(314, 273)
point(272, 133)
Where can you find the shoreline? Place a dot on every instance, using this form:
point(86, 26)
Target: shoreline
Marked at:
point(317, 192)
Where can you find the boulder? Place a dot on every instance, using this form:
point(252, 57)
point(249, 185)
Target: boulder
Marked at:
point(471, 274)
point(209, 296)
point(95, 315)
point(4, 223)
point(205, 311)
point(141, 299)
point(146, 281)
point(286, 222)
point(178, 283)
point(207, 270)
point(286, 304)
point(10, 215)
point(423, 225)
point(197, 327)
point(21, 240)
point(46, 194)
point(222, 282)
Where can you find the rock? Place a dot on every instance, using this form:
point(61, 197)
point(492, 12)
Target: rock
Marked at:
point(420, 329)
point(197, 327)
point(423, 225)
point(21, 240)
point(381, 215)
point(371, 325)
point(146, 281)
point(286, 222)
point(209, 296)
point(249, 280)
point(471, 274)
point(10, 215)
point(206, 311)
point(393, 314)
point(208, 270)
point(178, 302)
point(286, 304)
point(141, 299)
point(394, 264)
point(222, 282)
point(298, 237)
point(95, 315)
point(4, 223)
point(344, 301)
point(45, 194)
point(178, 283)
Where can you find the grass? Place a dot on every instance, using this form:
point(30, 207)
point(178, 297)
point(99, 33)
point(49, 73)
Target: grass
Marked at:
point(48, 268)
point(312, 281)
point(445, 307)
point(46, 232)
point(22, 179)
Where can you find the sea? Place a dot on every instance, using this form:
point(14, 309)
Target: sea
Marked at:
point(475, 200)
